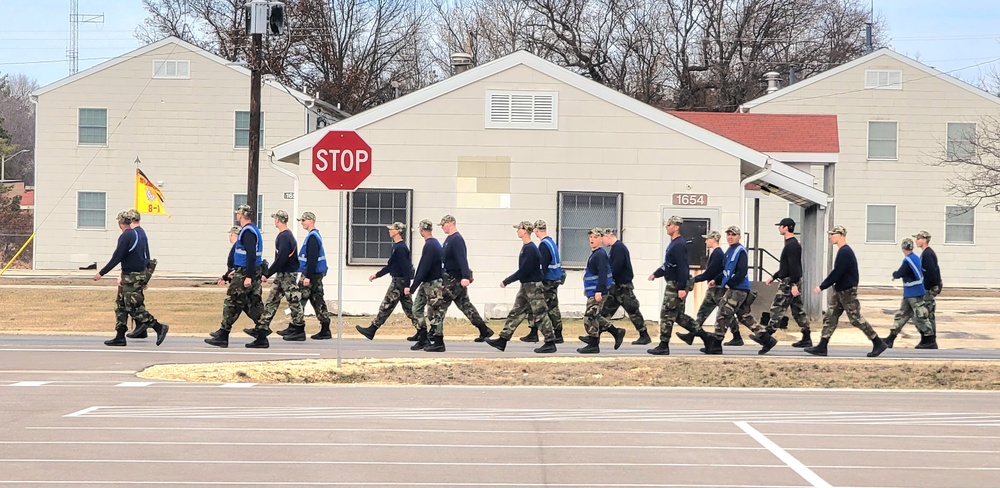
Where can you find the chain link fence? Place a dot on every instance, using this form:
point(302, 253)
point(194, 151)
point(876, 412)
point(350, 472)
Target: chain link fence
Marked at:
point(9, 245)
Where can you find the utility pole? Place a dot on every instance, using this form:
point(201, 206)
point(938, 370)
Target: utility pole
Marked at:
point(262, 17)
point(75, 19)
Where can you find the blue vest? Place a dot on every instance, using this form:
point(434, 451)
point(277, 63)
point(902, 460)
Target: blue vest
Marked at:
point(320, 261)
point(732, 254)
point(555, 271)
point(240, 255)
point(590, 278)
point(916, 287)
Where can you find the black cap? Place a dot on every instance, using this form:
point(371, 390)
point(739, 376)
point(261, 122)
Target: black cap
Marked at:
point(787, 222)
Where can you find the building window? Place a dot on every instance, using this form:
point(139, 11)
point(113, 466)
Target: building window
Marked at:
point(93, 126)
point(961, 141)
point(959, 225)
point(522, 110)
point(91, 210)
point(881, 224)
point(798, 214)
point(171, 69)
point(884, 79)
point(882, 140)
point(578, 213)
point(243, 129)
point(241, 199)
point(369, 211)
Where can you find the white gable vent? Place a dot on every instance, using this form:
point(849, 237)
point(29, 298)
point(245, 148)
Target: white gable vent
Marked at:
point(522, 110)
point(172, 68)
point(884, 79)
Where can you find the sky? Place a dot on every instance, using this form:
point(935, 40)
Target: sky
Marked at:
point(956, 36)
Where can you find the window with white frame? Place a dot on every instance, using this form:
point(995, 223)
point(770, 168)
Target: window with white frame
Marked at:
point(579, 212)
point(241, 199)
point(881, 224)
point(959, 225)
point(522, 110)
point(171, 68)
point(369, 211)
point(884, 79)
point(797, 214)
point(882, 140)
point(243, 129)
point(961, 141)
point(91, 210)
point(93, 126)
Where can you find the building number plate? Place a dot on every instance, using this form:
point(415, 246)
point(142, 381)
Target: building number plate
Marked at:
point(691, 199)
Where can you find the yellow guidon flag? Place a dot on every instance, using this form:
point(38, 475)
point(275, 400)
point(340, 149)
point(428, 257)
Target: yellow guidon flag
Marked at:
point(148, 198)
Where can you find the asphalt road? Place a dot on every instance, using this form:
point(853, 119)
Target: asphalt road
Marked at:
point(75, 414)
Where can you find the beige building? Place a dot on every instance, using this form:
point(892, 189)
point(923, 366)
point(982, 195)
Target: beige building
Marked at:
point(897, 117)
point(182, 112)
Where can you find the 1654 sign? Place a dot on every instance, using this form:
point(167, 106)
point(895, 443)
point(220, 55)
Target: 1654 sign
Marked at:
point(691, 199)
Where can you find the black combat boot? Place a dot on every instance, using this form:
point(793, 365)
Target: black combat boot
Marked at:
point(618, 334)
point(216, 333)
point(559, 337)
point(878, 346)
point(140, 332)
point(765, 318)
point(435, 344)
point(297, 334)
point(765, 340)
point(643, 338)
point(663, 349)
point(485, 332)
point(927, 342)
point(285, 331)
point(532, 335)
point(713, 345)
point(119, 339)
point(323, 334)
point(586, 339)
point(499, 343)
point(783, 323)
point(806, 340)
point(891, 338)
point(421, 340)
point(220, 340)
point(592, 347)
point(415, 337)
point(548, 347)
point(687, 337)
point(161, 332)
point(737, 339)
point(818, 349)
point(368, 332)
point(261, 341)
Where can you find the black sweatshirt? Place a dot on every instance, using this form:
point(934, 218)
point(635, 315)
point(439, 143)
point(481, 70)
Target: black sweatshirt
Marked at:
point(932, 273)
point(399, 265)
point(790, 267)
point(286, 258)
point(230, 262)
point(249, 241)
point(132, 260)
point(716, 265)
point(675, 263)
point(429, 268)
point(529, 268)
point(456, 257)
point(621, 264)
point(845, 271)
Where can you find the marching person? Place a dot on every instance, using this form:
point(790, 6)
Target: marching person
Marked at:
point(456, 280)
point(789, 278)
point(244, 287)
point(130, 301)
point(283, 285)
point(844, 278)
point(596, 281)
point(675, 273)
point(312, 269)
point(240, 303)
point(913, 304)
point(553, 276)
point(429, 292)
point(400, 269)
point(141, 332)
point(713, 294)
point(932, 283)
point(622, 291)
point(529, 300)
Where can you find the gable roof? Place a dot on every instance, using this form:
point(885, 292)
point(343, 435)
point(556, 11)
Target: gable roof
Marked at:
point(931, 72)
point(798, 182)
point(772, 133)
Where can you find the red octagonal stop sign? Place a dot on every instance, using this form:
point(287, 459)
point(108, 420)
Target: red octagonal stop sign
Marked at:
point(342, 160)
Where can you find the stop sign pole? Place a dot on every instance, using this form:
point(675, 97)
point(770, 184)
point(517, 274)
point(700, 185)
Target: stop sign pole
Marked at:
point(342, 161)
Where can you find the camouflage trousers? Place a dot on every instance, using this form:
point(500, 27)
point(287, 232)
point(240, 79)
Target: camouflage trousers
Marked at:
point(623, 296)
point(845, 301)
point(130, 302)
point(550, 292)
point(283, 285)
point(713, 297)
point(734, 309)
point(529, 303)
point(313, 294)
point(902, 317)
point(455, 292)
point(783, 300)
point(593, 322)
point(427, 307)
point(915, 308)
point(241, 300)
point(672, 310)
point(393, 295)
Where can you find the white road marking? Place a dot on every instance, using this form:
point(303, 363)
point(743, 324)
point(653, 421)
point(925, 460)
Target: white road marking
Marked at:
point(135, 384)
point(30, 383)
point(375, 483)
point(237, 385)
point(80, 413)
point(812, 478)
point(375, 444)
point(233, 352)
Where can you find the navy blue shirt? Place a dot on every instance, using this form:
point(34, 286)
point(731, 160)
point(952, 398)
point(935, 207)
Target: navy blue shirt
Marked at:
point(932, 273)
point(597, 266)
point(675, 263)
point(312, 256)
point(400, 265)
point(128, 253)
point(716, 264)
point(249, 241)
point(529, 268)
point(621, 264)
point(845, 271)
point(144, 242)
point(429, 268)
point(286, 256)
point(456, 257)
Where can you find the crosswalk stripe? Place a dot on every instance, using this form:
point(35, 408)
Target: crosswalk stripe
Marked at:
point(30, 383)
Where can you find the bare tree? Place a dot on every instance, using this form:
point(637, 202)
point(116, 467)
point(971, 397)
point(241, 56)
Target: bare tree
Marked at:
point(17, 125)
point(974, 155)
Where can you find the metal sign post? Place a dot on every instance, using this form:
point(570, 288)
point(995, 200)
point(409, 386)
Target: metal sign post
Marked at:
point(340, 274)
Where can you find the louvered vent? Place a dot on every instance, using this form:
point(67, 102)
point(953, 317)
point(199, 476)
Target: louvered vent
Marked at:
point(522, 110)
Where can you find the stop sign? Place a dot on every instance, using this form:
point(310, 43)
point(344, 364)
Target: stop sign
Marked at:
point(342, 160)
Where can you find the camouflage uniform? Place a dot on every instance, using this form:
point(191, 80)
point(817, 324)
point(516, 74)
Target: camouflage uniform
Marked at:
point(283, 286)
point(529, 302)
point(672, 310)
point(713, 298)
point(846, 301)
point(241, 300)
point(784, 300)
point(550, 293)
point(131, 302)
point(915, 308)
point(427, 307)
point(623, 296)
point(314, 294)
point(734, 309)
point(904, 315)
point(453, 291)
point(593, 322)
point(393, 295)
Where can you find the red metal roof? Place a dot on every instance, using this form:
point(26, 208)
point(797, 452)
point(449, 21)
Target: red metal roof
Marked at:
point(771, 132)
point(28, 198)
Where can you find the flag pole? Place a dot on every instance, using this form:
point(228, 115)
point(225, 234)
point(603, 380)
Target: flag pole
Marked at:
point(135, 185)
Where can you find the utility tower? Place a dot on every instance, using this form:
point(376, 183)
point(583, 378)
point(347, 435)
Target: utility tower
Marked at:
point(75, 19)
